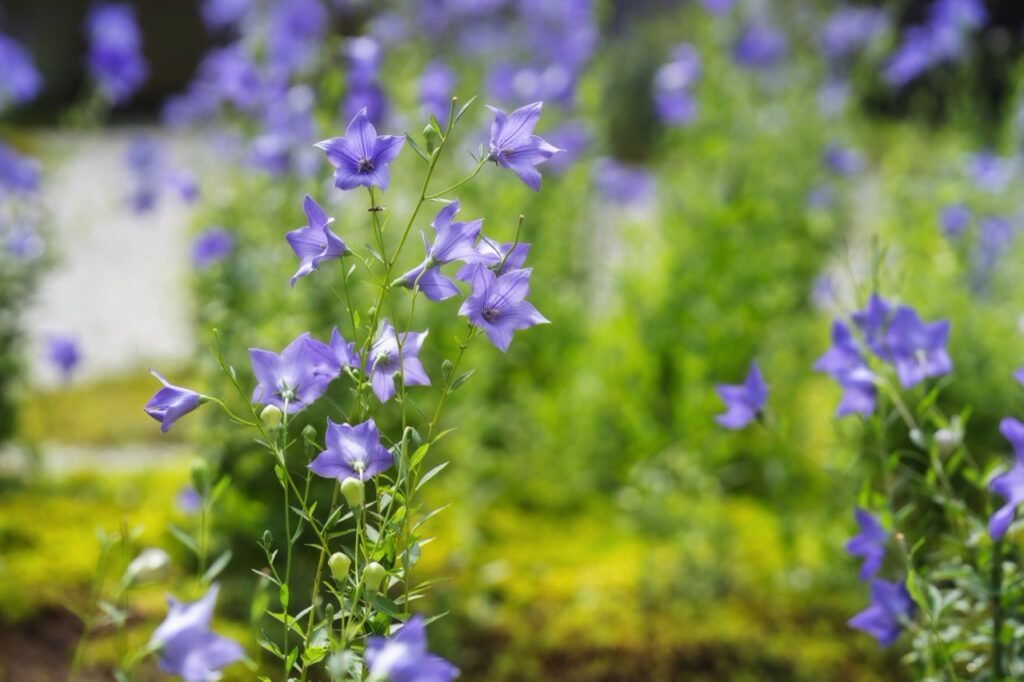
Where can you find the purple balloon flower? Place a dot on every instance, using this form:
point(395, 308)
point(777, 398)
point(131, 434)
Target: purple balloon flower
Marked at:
point(437, 82)
point(296, 31)
point(63, 352)
point(873, 322)
point(221, 14)
point(849, 29)
point(514, 146)
point(673, 101)
point(362, 156)
point(454, 242)
point(918, 350)
point(891, 605)
point(19, 80)
point(622, 183)
point(842, 160)
point(914, 56)
point(18, 174)
point(314, 243)
point(743, 402)
point(403, 657)
point(115, 57)
point(869, 543)
point(497, 306)
point(844, 363)
point(211, 246)
point(954, 219)
point(187, 646)
point(383, 362)
point(171, 402)
point(759, 46)
point(1010, 485)
point(295, 378)
point(351, 452)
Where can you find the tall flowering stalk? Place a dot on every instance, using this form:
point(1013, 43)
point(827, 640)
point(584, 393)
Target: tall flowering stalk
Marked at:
point(368, 539)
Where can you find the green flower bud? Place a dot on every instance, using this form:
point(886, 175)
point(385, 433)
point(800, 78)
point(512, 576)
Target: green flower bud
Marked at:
point(430, 138)
point(309, 433)
point(339, 564)
point(373, 576)
point(200, 475)
point(271, 417)
point(354, 491)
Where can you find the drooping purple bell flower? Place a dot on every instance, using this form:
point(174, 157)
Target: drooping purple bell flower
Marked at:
point(19, 80)
point(403, 657)
point(384, 363)
point(171, 402)
point(455, 241)
point(890, 607)
point(1009, 485)
point(361, 158)
point(514, 146)
point(211, 246)
point(497, 306)
point(116, 63)
point(869, 543)
point(351, 452)
point(187, 647)
point(314, 243)
point(918, 350)
point(743, 402)
point(295, 378)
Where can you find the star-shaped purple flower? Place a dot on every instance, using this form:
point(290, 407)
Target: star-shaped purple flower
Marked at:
point(918, 350)
point(891, 605)
point(454, 242)
point(1010, 485)
point(514, 146)
point(497, 306)
point(295, 378)
point(314, 243)
point(171, 402)
point(187, 647)
point(844, 363)
point(403, 657)
point(361, 158)
point(743, 402)
point(383, 362)
point(873, 322)
point(351, 452)
point(869, 543)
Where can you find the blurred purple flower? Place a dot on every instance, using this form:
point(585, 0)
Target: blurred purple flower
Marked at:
point(171, 403)
point(383, 362)
point(833, 96)
point(743, 402)
point(116, 63)
point(869, 543)
point(759, 46)
point(221, 14)
point(454, 241)
point(842, 160)
point(211, 246)
point(437, 83)
point(617, 182)
point(19, 80)
point(362, 156)
point(403, 657)
point(954, 219)
point(844, 363)
point(717, 6)
point(820, 197)
point(293, 379)
point(572, 139)
point(914, 56)
point(296, 31)
point(514, 146)
point(890, 606)
point(918, 350)
point(989, 172)
point(351, 452)
point(188, 500)
point(674, 103)
point(872, 322)
point(62, 352)
point(1009, 485)
point(849, 29)
point(314, 243)
point(187, 647)
point(497, 306)
point(18, 174)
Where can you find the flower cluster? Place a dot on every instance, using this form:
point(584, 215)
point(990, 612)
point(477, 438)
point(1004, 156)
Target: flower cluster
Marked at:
point(116, 63)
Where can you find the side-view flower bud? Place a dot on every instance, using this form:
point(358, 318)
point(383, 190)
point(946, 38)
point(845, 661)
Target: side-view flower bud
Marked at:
point(339, 564)
point(373, 576)
point(271, 417)
point(152, 564)
point(947, 440)
point(354, 491)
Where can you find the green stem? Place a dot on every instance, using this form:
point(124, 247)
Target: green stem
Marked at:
point(998, 672)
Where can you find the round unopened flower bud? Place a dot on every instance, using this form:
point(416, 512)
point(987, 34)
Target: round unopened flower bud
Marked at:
point(354, 491)
point(430, 137)
point(373, 576)
point(200, 475)
point(339, 564)
point(150, 565)
point(947, 440)
point(271, 417)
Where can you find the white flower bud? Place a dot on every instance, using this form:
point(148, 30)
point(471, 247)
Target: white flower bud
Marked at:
point(151, 565)
point(271, 417)
point(339, 564)
point(373, 576)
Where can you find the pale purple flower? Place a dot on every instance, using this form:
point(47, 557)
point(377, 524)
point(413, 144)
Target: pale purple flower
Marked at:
point(19, 80)
point(187, 647)
point(820, 197)
point(499, 257)
point(842, 160)
point(743, 402)
point(295, 378)
point(296, 30)
point(171, 402)
point(385, 361)
point(954, 219)
point(759, 46)
point(18, 174)
point(62, 351)
point(849, 29)
point(717, 6)
point(188, 500)
point(116, 63)
point(914, 56)
point(1009, 485)
point(514, 146)
point(211, 246)
point(497, 306)
point(403, 657)
point(454, 241)
point(873, 322)
point(674, 102)
point(869, 543)
point(572, 139)
point(351, 452)
point(621, 183)
point(990, 172)
point(890, 607)
point(917, 349)
point(314, 243)
point(362, 156)
point(184, 183)
point(437, 83)
point(221, 14)
point(1019, 375)
point(844, 363)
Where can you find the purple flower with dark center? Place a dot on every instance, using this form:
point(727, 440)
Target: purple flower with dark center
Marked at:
point(844, 363)
point(514, 146)
point(954, 220)
point(221, 14)
point(295, 378)
point(63, 352)
point(497, 306)
point(403, 657)
point(115, 57)
point(351, 452)
point(314, 243)
point(19, 80)
point(1010, 485)
point(621, 183)
point(850, 29)
point(673, 101)
point(437, 83)
point(890, 607)
point(455, 241)
point(873, 322)
point(187, 646)
point(171, 402)
point(759, 46)
point(386, 360)
point(842, 160)
point(869, 543)
point(211, 246)
point(18, 174)
point(743, 402)
point(362, 156)
point(918, 350)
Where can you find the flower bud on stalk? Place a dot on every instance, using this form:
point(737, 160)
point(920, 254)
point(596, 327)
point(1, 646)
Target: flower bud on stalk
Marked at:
point(373, 576)
point(430, 137)
point(200, 475)
point(354, 491)
point(339, 564)
point(271, 417)
point(946, 440)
